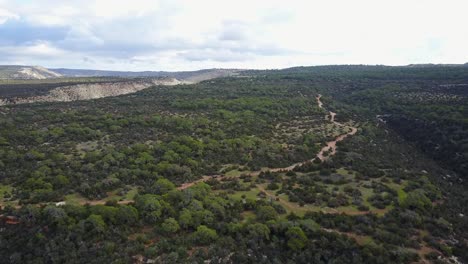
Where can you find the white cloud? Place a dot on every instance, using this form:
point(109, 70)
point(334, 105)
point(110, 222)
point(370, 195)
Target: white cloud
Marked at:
point(123, 8)
point(6, 15)
point(185, 34)
point(42, 49)
point(39, 49)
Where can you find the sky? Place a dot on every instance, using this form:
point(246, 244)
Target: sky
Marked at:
point(177, 35)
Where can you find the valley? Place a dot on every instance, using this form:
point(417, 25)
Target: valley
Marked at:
point(236, 168)
point(225, 132)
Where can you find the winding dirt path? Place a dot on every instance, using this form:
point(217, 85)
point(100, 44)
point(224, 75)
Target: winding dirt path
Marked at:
point(330, 148)
point(320, 104)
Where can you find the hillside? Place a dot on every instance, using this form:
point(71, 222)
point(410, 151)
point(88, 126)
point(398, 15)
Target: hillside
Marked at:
point(33, 92)
point(26, 84)
point(36, 84)
point(16, 72)
point(333, 163)
point(27, 72)
point(188, 76)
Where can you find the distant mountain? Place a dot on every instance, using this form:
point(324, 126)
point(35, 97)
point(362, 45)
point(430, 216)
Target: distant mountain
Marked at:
point(189, 76)
point(37, 72)
point(437, 65)
point(26, 72)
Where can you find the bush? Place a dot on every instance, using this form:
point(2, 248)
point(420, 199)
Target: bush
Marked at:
point(204, 235)
point(363, 207)
point(273, 186)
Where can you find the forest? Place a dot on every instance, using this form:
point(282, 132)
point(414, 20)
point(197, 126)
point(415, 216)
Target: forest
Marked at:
point(227, 170)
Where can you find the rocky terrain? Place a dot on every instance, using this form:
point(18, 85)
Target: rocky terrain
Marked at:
point(27, 72)
point(33, 91)
point(90, 91)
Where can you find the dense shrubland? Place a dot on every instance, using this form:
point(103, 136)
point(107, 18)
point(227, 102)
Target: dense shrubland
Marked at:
point(393, 193)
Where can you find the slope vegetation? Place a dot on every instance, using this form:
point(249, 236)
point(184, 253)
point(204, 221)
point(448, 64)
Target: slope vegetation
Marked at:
point(87, 91)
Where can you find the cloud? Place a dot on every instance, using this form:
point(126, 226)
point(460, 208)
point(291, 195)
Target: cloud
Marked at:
point(6, 15)
point(234, 31)
point(184, 35)
point(36, 52)
point(19, 32)
point(217, 55)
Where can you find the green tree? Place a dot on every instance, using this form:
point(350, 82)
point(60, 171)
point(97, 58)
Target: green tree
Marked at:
point(149, 206)
point(205, 235)
point(296, 238)
point(162, 186)
point(55, 215)
point(3, 141)
point(170, 225)
point(127, 215)
point(266, 213)
point(185, 219)
point(94, 223)
point(108, 213)
point(61, 181)
point(417, 200)
point(259, 231)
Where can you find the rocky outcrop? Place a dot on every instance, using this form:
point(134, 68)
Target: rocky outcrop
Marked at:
point(27, 73)
point(36, 72)
point(90, 91)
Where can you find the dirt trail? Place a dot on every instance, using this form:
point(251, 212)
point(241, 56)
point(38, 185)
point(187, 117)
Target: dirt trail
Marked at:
point(102, 202)
point(203, 179)
point(320, 104)
point(330, 147)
